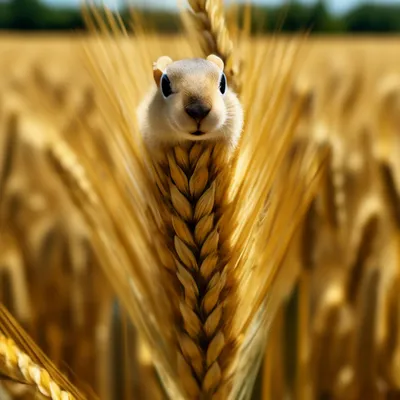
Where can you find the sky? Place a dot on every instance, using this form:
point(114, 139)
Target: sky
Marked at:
point(337, 6)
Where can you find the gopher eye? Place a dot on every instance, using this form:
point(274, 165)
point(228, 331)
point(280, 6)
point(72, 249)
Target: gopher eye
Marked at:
point(165, 85)
point(222, 84)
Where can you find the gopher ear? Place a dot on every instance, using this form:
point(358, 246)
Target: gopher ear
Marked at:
point(217, 61)
point(159, 68)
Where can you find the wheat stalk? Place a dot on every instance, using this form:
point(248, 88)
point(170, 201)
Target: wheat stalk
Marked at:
point(193, 183)
point(9, 151)
point(208, 17)
point(19, 366)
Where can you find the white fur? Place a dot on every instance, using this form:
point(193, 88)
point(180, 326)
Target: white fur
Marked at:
point(165, 121)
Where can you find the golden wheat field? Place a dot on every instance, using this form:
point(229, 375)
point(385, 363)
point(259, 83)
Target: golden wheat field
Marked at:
point(272, 272)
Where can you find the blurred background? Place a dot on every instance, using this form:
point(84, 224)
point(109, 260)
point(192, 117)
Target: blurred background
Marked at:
point(322, 16)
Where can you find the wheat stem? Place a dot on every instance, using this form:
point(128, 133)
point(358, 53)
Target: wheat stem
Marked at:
point(9, 153)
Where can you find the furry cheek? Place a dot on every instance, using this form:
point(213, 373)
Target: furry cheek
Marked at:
point(213, 122)
point(184, 122)
point(177, 116)
point(215, 119)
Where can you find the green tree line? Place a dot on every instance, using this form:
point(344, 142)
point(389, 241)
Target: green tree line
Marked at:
point(29, 15)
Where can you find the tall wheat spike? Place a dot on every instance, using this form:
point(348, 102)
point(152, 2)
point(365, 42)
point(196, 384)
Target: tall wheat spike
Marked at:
point(27, 364)
point(194, 188)
point(194, 246)
point(208, 17)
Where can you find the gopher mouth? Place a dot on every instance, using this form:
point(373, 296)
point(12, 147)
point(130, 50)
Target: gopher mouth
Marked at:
point(198, 133)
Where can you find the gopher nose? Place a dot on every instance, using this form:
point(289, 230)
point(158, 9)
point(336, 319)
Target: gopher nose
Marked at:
point(198, 111)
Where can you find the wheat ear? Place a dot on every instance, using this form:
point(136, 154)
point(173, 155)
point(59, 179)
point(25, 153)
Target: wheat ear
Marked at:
point(22, 361)
point(192, 183)
point(208, 17)
point(17, 365)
